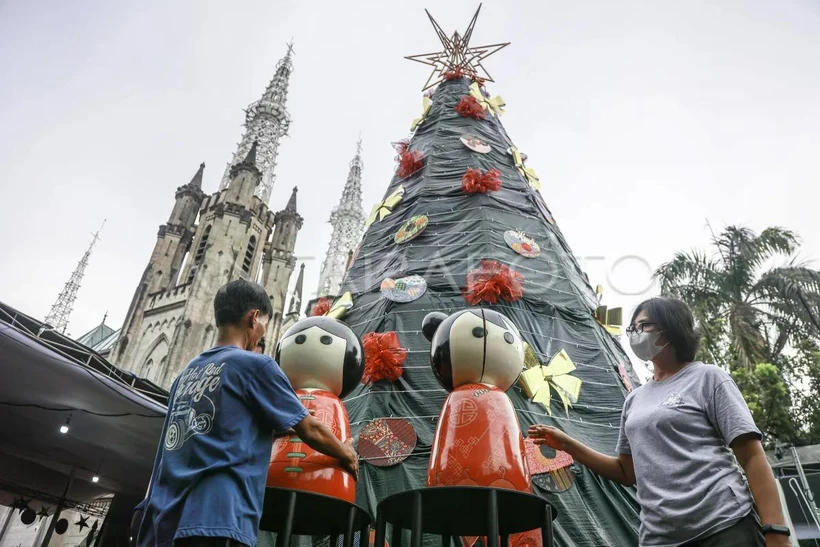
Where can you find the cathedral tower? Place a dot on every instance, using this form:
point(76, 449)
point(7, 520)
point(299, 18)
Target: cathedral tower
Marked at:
point(173, 240)
point(279, 263)
point(208, 241)
point(347, 220)
point(266, 121)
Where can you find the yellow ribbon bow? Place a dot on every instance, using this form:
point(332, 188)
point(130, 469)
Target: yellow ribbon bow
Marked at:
point(539, 381)
point(495, 106)
point(385, 207)
point(610, 319)
point(426, 104)
point(528, 173)
point(340, 306)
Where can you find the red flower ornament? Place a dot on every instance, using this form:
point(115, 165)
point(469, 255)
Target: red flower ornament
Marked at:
point(321, 307)
point(469, 107)
point(383, 357)
point(492, 281)
point(476, 182)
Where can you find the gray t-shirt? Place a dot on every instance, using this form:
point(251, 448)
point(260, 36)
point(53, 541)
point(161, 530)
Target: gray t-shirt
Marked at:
point(678, 432)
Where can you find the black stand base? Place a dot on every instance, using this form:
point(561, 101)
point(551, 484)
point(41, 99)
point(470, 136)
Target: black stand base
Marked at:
point(453, 511)
point(295, 513)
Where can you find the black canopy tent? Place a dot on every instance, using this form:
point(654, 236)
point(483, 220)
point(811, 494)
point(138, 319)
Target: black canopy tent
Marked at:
point(114, 419)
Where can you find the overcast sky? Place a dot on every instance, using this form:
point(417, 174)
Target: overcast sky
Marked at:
point(642, 118)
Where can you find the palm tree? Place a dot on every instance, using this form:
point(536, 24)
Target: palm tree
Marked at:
point(749, 309)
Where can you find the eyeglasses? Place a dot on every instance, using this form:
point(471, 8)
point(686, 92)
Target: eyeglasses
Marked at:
point(638, 329)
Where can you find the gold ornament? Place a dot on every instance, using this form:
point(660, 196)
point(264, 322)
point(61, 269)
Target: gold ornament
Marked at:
point(340, 306)
point(611, 319)
point(495, 106)
point(528, 173)
point(385, 207)
point(426, 104)
point(539, 381)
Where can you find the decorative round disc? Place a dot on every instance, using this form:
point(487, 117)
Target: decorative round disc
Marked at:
point(522, 244)
point(410, 229)
point(475, 144)
point(560, 480)
point(386, 441)
point(405, 289)
point(549, 468)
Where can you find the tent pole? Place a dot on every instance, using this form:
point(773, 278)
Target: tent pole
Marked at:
point(59, 509)
point(6, 523)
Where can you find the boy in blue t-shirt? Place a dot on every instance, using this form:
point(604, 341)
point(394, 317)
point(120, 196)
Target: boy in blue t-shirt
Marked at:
point(209, 475)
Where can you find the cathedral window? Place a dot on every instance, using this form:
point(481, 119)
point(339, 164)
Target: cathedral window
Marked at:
point(246, 264)
point(203, 242)
point(147, 371)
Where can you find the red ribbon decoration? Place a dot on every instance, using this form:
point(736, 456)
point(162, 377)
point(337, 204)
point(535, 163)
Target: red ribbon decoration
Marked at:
point(454, 74)
point(491, 281)
point(469, 107)
point(383, 357)
point(409, 163)
point(476, 182)
point(321, 307)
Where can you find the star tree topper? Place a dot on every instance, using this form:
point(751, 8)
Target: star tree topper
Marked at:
point(457, 55)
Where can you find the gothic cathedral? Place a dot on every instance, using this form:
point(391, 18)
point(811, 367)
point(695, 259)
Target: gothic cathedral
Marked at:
point(210, 240)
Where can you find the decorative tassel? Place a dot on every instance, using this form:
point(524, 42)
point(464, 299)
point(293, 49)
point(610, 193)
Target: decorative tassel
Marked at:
point(476, 182)
point(410, 161)
point(321, 307)
point(491, 281)
point(469, 107)
point(383, 356)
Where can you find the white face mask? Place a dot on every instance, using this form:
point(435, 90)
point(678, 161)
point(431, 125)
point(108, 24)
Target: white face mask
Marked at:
point(643, 345)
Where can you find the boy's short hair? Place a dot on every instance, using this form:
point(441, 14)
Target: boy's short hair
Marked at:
point(236, 298)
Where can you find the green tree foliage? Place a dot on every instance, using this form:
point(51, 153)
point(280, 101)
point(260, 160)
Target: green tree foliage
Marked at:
point(758, 308)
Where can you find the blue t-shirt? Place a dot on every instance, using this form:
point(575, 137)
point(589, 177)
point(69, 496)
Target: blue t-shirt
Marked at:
point(211, 466)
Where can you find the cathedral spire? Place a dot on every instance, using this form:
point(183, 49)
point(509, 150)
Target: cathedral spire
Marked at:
point(291, 206)
point(296, 298)
point(61, 310)
point(347, 220)
point(266, 121)
point(196, 181)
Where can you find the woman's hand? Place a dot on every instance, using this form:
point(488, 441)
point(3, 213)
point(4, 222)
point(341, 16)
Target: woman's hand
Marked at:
point(777, 540)
point(548, 435)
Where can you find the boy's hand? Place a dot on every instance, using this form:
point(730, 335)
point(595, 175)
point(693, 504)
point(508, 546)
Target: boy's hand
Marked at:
point(351, 461)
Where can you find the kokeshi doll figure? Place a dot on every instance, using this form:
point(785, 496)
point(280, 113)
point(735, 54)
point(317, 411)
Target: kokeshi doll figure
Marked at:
point(323, 360)
point(477, 354)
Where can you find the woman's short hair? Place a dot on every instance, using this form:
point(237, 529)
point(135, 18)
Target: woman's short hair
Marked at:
point(674, 317)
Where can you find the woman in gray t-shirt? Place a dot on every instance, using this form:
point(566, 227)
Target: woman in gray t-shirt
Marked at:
point(681, 434)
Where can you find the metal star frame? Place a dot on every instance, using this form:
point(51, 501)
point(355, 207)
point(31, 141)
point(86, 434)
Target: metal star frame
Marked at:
point(457, 55)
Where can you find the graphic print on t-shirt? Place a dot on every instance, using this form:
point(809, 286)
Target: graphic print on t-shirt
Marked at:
point(193, 412)
point(674, 400)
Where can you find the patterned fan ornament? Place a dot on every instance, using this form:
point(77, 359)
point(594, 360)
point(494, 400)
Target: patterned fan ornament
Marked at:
point(522, 244)
point(411, 229)
point(405, 289)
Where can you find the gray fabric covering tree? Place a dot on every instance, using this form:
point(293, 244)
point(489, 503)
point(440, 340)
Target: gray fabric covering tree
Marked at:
point(556, 311)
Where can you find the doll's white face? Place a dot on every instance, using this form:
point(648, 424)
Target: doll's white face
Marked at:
point(485, 349)
point(313, 359)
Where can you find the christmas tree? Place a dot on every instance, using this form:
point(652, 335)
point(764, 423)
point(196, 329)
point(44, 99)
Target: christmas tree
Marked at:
point(463, 224)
